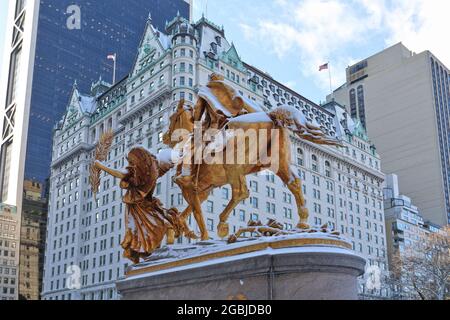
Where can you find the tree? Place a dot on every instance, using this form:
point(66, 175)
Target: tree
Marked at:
point(422, 270)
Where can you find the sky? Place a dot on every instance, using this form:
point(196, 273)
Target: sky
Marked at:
point(290, 39)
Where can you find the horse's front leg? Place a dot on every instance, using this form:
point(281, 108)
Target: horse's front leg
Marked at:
point(194, 201)
point(240, 192)
point(185, 183)
point(188, 211)
point(188, 233)
point(198, 215)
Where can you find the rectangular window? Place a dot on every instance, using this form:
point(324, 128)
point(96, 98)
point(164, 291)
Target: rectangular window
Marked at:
point(242, 215)
point(210, 225)
point(210, 207)
point(13, 75)
point(5, 162)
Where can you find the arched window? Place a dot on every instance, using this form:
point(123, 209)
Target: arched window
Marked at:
point(315, 164)
point(361, 106)
point(300, 158)
point(353, 108)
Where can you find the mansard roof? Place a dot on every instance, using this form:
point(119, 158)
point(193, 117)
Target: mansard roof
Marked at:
point(205, 22)
point(231, 57)
point(153, 44)
point(79, 105)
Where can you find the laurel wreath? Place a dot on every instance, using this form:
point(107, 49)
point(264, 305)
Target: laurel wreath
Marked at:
point(101, 154)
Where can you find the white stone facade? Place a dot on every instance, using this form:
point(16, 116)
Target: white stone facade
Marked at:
point(343, 187)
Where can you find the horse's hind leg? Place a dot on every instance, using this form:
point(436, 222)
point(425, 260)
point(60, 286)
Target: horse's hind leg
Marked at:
point(240, 192)
point(294, 184)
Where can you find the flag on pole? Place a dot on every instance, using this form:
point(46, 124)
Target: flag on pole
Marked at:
point(323, 67)
point(112, 57)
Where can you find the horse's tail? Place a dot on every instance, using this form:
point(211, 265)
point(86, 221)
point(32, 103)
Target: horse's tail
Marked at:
point(290, 118)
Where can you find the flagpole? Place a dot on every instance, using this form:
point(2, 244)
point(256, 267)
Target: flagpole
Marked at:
point(114, 71)
point(331, 84)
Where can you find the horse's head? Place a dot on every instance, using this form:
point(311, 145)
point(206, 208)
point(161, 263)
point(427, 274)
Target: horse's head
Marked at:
point(181, 123)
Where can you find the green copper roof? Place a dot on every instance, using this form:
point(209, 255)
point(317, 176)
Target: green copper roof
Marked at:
point(232, 58)
point(360, 131)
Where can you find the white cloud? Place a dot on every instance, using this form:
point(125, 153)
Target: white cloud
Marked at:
point(421, 25)
point(318, 31)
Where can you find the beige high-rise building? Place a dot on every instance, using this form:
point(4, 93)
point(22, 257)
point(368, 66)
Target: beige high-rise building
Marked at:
point(403, 100)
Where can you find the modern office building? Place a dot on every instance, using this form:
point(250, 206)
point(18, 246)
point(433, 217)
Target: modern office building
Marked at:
point(51, 44)
point(343, 186)
point(405, 226)
point(402, 98)
point(9, 252)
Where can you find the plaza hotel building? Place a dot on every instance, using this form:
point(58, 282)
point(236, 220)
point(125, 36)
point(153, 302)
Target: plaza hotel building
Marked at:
point(343, 186)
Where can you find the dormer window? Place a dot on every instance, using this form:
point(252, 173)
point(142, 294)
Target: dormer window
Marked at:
point(214, 47)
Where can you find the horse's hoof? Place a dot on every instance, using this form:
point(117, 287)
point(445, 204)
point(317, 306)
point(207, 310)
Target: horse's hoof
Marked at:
point(232, 239)
point(191, 235)
point(223, 230)
point(205, 238)
point(303, 226)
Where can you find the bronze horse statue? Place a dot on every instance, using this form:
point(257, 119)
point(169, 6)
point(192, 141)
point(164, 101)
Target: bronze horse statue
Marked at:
point(259, 152)
point(246, 140)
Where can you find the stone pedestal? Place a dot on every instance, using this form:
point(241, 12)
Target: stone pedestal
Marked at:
point(281, 268)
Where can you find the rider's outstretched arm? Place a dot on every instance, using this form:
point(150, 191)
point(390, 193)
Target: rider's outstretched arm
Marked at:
point(114, 173)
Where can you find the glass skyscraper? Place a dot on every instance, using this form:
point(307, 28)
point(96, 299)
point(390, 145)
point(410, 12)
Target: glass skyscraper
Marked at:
point(50, 45)
point(64, 56)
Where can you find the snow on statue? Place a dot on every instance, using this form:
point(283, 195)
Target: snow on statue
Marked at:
point(254, 140)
